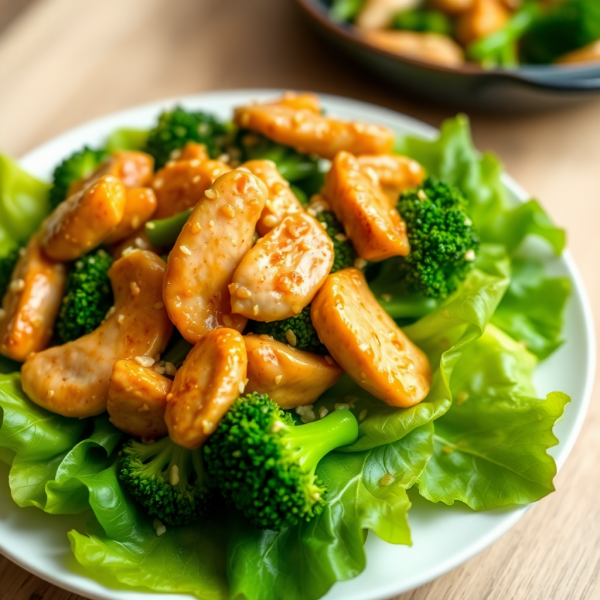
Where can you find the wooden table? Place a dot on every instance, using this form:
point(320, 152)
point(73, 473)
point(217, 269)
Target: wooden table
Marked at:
point(63, 62)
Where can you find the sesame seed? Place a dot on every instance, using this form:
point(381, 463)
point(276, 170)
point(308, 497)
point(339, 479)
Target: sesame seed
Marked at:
point(17, 285)
point(278, 379)
point(159, 305)
point(270, 221)
point(241, 387)
point(211, 223)
point(306, 413)
point(421, 195)
point(120, 319)
point(386, 480)
point(468, 222)
point(290, 336)
point(144, 408)
point(341, 406)
point(228, 211)
point(196, 228)
point(159, 527)
point(135, 288)
point(185, 250)
point(363, 347)
point(360, 263)
point(255, 309)
point(414, 167)
point(340, 237)
point(323, 412)
point(210, 194)
point(170, 369)
point(470, 254)
point(144, 361)
point(227, 321)
point(174, 475)
point(110, 313)
point(207, 427)
point(150, 225)
point(277, 426)
point(243, 292)
point(50, 393)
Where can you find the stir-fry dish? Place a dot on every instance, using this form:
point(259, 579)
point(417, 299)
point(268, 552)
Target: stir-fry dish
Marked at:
point(489, 33)
point(238, 344)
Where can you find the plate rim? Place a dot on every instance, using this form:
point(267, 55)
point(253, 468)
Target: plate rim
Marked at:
point(424, 130)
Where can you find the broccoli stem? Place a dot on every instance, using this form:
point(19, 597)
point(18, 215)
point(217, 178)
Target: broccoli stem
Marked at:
point(499, 48)
point(314, 441)
point(164, 232)
point(157, 454)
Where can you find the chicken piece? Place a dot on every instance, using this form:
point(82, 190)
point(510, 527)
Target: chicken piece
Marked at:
point(485, 17)
point(311, 133)
point(374, 227)
point(31, 303)
point(452, 7)
point(378, 14)
point(134, 169)
point(181, 184)
point(394, 172)
point(281, 274)
point(290, 377)
point(302, 101)
point(366, 342)
point(212, 243)
point(137, 400)
point(429, 47)
point(140, 204)
point(589, 53)
point(138, 240)
point(193, 151)
point(72, 380)
point(209, 382)
point(282, 201)
point(83, 221)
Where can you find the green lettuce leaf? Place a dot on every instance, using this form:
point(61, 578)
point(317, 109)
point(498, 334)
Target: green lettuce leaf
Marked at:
point(491, 446)
point(442, 335)
point(453, 158)
point(123, 546)
point(532, 308)
point(126, 139)
point(366, 491)
point(23, 204)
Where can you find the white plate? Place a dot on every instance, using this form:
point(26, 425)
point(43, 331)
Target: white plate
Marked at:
point(443, 537)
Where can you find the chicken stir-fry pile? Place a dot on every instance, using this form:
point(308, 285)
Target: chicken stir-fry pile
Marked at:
point(248, 253)
point(490, 33)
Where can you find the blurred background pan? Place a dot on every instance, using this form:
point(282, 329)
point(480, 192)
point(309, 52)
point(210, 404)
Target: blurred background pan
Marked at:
point(466, 86)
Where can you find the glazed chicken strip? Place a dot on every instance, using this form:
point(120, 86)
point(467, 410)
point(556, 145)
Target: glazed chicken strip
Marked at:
point(73, 379)
point(210, 380)
point(282, 201)
point(311, 133)
point(140, 204)
point(302, 101)
point(137, 400)
point(192, 151)
point(132, 168)
point(210, 247)
point(394, 172)
point(281, 274)
point(83, 221)
point(290, 377)
point(31, 304)
point(181, 184)
point(366, 342)
point(374, 227)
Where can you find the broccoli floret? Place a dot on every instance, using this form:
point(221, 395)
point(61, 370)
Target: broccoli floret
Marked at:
point(565, 27)
point(298, 331)
point(265, 465)
point(292, 165)
point(423, 20)
point(442, 239)
point(169, 481)
point(88, 296)
point(177, 127)
point(75, 167)
point(7, 266)
point(344, 252)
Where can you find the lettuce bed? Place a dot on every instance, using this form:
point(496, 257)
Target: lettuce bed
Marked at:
point(481, 436)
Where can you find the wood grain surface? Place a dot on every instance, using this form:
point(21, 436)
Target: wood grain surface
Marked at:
point(63, 62)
